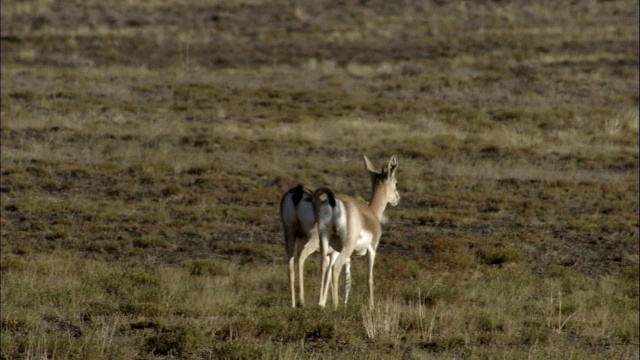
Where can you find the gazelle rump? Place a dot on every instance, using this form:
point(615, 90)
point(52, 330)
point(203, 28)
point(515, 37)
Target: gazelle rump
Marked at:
point(301, 237)
point(348, 226)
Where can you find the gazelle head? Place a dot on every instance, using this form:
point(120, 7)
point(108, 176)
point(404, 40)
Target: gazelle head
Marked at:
point(384, 181)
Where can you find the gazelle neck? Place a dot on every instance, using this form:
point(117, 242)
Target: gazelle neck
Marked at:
point(378, 201)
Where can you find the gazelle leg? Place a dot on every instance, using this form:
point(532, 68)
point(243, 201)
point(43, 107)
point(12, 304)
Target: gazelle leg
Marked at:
point(332, 261)
point(372, 258)
point(349, 241)
point(290, 244)
point(292, 280)
point(347, 280)
point(328, 283)
point(337, 269)
point(324, 250)
point(307, 250)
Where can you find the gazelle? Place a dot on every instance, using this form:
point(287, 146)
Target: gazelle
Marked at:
point(347, 225)
point(301, 238)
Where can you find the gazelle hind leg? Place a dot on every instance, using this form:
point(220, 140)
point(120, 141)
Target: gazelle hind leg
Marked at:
point(292, 282)
point(336, 270)
point(332, 261)
point(329, 284)
point(372, 258)
point(349, 238)
point(325, 268)
point(347, 280)
point(290, 246)
point(307, 250)
point(326, 285)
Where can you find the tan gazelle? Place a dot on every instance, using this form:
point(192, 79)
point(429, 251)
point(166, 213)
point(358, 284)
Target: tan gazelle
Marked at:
point(348, 226)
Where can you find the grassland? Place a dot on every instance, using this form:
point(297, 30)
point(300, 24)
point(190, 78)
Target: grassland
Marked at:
point(145, 148)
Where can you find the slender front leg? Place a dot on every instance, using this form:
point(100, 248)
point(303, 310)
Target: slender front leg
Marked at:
point(372, 258)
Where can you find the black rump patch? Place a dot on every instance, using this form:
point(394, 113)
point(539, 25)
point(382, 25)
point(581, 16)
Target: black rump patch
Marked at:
point(298, 193)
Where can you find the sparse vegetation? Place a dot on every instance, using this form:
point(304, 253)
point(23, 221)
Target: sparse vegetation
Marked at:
point(145, 148)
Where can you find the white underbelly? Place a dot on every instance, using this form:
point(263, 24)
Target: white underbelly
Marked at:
point(364, 241)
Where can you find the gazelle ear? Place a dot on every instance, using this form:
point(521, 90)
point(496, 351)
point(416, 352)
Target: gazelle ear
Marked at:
point(393, 166)
point(369, 165)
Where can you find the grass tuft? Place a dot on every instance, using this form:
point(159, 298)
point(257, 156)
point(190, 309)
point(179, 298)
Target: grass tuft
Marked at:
point(210, 267)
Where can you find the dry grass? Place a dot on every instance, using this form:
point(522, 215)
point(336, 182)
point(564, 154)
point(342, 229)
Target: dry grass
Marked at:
point(144, 156)
point(89, 308)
